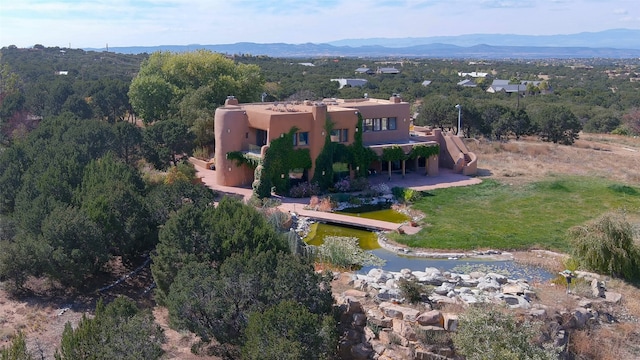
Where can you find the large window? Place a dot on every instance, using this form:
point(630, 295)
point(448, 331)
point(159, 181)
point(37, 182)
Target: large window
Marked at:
point(340, 135)
point(380, 124)
point(301, 139)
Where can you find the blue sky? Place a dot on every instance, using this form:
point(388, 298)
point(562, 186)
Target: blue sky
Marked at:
point(95, 23)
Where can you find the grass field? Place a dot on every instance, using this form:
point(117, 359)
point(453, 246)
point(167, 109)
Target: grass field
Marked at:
point(502, 216)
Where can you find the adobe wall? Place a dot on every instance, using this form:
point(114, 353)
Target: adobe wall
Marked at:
point(231, 124)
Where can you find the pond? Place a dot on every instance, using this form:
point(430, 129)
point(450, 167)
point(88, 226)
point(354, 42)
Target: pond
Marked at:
point(376, 212)
point(395, 262)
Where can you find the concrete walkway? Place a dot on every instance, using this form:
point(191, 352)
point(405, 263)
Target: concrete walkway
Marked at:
point(421, 182)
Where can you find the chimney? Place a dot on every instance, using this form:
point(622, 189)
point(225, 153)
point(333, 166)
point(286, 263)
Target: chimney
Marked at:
point(395, 98)
point(231, 100)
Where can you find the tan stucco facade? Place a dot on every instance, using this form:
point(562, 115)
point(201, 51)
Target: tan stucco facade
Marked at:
point(251, 127)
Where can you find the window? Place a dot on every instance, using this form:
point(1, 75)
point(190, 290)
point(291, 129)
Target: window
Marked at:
point(344, 135)
point(391, 123)
point(377, 124)
point(340, 135)
point(380, 124)
point(301, 138)
point(367, 124)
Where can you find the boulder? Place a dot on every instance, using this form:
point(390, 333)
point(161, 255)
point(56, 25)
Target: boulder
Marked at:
point(354, 293)
point(433, 317)
point(377, 318)
point(450, 321)
point(359, 319)
point(398, 352)
point(513, 289)
point(612, 297)
point(488, 284)
point(516, 302)
point(477, 274)
point(386, 294)
point(404, 329)
point(432, 270)
point(369, 334)
point(361, 351)
point(444, 288)
point(501, 279)
point(399, 312)
point(353, 305)
point(579, 317)
point(432, 279)
point(597, 289)
point(378, 276)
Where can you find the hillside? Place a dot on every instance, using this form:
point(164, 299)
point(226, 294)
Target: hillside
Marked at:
point(42, 317)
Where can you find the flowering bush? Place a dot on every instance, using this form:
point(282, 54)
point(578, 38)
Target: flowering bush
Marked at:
point(343, 185)
point(304, 189)
point(359, 184)
point(379, 189)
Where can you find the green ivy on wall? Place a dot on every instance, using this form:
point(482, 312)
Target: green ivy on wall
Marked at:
point(241, 158)
point(393, 153)
point(279, 159)
point(361, 156)
point(425, 151)
point(323, 173)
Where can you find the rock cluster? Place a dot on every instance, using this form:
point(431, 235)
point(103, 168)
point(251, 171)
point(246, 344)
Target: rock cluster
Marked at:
point(376, 324)
point(449, 287)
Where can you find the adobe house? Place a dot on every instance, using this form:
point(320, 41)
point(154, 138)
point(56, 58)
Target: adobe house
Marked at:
point(249, 128)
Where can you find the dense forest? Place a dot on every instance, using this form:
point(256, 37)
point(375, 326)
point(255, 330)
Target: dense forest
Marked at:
point(91, 172)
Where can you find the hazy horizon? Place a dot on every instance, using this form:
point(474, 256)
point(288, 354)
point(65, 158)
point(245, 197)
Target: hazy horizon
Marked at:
point(121, 23)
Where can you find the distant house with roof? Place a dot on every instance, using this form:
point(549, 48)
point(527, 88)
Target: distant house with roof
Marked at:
point(350, 82)
point(364, 70)
point(467, 83)
point(426, 83)
point(387, 70)
point(473, 74)
point(504, 86)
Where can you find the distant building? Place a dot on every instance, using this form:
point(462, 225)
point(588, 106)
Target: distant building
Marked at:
point(364, 70)
point(473, 74)
point(467, 83)
point(499, 85)
point(426, 83)
point(387, 70)
point(350, 82)
point(62, 72)
point(306, 64)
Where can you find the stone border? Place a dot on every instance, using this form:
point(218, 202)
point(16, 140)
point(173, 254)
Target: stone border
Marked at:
point(394, 247)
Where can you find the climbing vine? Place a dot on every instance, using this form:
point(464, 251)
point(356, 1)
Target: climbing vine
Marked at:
point(279, 159)
point(241, 158)
point(323, 174)
point(424, 151)
point(393, 153)
point(361, 156)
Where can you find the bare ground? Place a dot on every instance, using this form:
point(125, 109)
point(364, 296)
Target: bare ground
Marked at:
point(42, 314)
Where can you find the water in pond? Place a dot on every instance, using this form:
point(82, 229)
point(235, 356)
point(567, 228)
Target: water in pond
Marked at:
point(376, 212)
point(396, 262)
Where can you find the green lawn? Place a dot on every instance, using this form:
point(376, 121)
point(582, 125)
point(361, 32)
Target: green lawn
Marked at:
point(491, 215)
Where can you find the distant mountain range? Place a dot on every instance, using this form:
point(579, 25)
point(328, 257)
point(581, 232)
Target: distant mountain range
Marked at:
point(618, 44)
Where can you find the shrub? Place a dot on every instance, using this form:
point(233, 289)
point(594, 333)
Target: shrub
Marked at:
point(343, 185)
point(486, 333)
point(345, 253)
point(201, 152)
point(406, 195)
point(304, 189)
point(411, 290)
point(359, 184)
point(379, 189)
point(606, 245)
